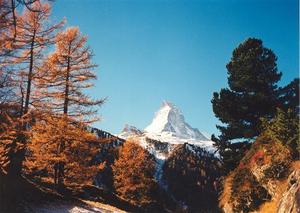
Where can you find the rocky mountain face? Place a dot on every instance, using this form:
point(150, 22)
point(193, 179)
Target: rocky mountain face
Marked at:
point(266, 179)
point(290, 201)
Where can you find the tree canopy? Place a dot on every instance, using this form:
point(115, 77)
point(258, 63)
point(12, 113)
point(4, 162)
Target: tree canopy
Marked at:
point(252, 94)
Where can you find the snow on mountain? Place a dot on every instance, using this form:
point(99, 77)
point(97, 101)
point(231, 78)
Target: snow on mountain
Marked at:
point(168, 125)
point(129, 131)
point(167, 131)
point(169, 121)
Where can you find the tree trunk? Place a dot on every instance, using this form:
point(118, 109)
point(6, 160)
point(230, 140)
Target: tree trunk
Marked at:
point(17, 155)
point(60, 179)
point(61, 165)
point(66, 101)
point(30, 73)
point(55, 174)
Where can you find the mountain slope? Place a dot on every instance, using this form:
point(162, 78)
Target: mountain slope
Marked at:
point(167, 133)
point(168, 125)
point(266, 180)
point(176, 147)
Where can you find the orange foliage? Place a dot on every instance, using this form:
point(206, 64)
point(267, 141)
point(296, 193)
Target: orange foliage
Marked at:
point(34, 35)
point(133, 174)
point(59, 139)
point(59, 142)
point(67, 72)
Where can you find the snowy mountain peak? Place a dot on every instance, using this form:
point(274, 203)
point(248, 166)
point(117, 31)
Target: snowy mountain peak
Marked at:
point(166, 103)
point(169, 121)
point(129, 131)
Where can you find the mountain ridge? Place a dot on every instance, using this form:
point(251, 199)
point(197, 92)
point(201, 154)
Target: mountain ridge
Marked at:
point(169, 126)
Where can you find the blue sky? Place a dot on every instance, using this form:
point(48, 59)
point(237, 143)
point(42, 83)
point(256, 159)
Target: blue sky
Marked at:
point(154, 50)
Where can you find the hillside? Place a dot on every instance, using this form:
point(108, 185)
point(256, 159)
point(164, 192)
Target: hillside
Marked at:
point(266, 180)
point(187, 166)
point(26, 196)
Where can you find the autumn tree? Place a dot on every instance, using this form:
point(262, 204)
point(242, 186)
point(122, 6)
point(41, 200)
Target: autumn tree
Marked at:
point(59, 139)
point(35, 34)
point(8, 14)
point(8, 43)
point(133, 174)
point(6, 26)
point(7, 51)
point(66, 73)
point(11, 130)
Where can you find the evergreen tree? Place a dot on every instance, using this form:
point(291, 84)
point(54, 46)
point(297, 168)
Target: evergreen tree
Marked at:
point(133, 174)
point(285, 127)
point(252, 94)
point(289, 96)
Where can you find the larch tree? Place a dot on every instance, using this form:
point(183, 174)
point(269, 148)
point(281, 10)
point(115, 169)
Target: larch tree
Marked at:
point(7, 51)
point(67, 72)
point(133, 174)
point(6, 26)
point(34, 34)
point(11, 129)
point(10, 106)
point(63, 150)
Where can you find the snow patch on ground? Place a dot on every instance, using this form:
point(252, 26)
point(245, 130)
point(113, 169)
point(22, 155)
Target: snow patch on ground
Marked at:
point(70, 207)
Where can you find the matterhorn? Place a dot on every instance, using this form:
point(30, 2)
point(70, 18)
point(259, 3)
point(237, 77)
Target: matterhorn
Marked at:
point(169, 126)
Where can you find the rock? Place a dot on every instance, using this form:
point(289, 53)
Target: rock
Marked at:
point(290, 201)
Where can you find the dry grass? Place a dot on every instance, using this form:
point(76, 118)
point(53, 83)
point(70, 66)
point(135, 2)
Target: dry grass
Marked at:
point(226, 193)
point(265, 151)
point(271, 206)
